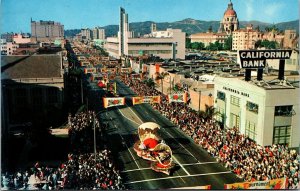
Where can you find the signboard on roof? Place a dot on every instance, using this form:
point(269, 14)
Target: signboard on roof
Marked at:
point(257, 58)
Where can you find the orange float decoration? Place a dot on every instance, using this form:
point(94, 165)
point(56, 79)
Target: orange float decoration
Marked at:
point(150, 147)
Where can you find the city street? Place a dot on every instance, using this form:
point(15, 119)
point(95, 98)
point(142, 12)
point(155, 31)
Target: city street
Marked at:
point(194, 167)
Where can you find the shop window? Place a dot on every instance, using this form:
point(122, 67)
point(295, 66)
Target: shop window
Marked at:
point(252, 107)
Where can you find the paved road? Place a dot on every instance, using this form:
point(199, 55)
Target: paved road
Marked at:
point(194, 167)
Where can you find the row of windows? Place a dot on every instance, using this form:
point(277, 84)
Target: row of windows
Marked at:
point(150, 52)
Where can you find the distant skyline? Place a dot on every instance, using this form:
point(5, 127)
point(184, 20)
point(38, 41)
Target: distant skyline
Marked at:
point(75, 14)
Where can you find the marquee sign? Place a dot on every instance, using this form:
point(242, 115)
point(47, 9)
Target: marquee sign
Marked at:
point(257, 58)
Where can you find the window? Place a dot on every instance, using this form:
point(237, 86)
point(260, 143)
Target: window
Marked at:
point(234, 120)
point(282, 135)
point(251, 130)
point(235, 100)
point(252, 107)
point(221, 95)
point(285, 110)
point(220, 114)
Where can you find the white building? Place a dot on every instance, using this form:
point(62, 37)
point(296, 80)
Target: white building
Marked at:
point(20, 39)
point(291, 64)
point(165, 44)
point(268, 114)
point(8, 48)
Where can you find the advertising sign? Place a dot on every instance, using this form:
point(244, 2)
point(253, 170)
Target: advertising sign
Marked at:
point(257, 58)
point(276, 184)
point(90, 70)
point(113, 101)
point(178, 97)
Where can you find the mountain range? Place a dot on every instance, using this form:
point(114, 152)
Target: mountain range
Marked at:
point(189, 25)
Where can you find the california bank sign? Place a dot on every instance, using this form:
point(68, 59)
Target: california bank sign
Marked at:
point(257, 58)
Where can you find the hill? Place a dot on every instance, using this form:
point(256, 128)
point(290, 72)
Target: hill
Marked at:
point(190, 26)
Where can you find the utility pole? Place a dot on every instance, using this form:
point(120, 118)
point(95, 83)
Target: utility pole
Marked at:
point(81, 88)
point(199, 101)
point(94, 134)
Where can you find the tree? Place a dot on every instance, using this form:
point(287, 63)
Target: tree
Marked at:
point(150, 83)
point(228, 43)
point(210, 111)
point(257, 44)
point(197, 45)
point(188, 43)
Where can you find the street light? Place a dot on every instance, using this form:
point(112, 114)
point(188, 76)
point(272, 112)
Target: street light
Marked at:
point(199, 100)
point(94, 135)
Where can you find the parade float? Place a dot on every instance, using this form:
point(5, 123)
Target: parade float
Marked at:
point(151, 147)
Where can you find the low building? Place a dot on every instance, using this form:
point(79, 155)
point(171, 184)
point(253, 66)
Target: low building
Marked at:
point(21, 39)
point(169, 44)
point(208, 37)
point(267, 113)
point(32, 87)
point(159, 45)
point(8, 48)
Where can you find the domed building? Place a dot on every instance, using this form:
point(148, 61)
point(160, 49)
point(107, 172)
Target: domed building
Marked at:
point(230, 21)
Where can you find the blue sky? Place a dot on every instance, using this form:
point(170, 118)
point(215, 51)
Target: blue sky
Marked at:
point(15, 14)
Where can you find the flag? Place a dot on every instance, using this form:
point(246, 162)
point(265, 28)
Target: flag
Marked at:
point(276, 184)
point(145, 99)
point(137, 100)
point(112, 87)
point(113, 101)
point(177, 97)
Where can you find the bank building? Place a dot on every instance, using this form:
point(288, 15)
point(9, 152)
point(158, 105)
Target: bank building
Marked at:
point(266, 110)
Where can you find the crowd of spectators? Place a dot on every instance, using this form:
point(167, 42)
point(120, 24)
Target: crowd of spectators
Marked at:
point(243, 156)
point(83, 170)
point(81, 131)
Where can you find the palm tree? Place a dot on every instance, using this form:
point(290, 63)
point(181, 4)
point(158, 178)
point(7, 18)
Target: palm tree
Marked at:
point(161, 76)
point(150, 83)
point(210, 111)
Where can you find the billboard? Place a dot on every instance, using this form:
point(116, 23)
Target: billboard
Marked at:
point(257, 58)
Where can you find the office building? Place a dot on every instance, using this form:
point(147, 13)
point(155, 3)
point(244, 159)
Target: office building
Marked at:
point(267, 112)
point(244, 39)
point(45, 31)
point(169, 44)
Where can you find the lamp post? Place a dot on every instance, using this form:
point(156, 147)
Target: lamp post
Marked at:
point(199, 100)
point(94, 126)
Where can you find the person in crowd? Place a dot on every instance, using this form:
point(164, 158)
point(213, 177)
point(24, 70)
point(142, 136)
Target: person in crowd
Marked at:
point(243, 156)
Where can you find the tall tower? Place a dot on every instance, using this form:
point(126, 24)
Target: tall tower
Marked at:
point(124, 32)
point(230, 21)
point(153, 27)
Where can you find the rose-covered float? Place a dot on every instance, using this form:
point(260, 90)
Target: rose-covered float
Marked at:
point(150, 147)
